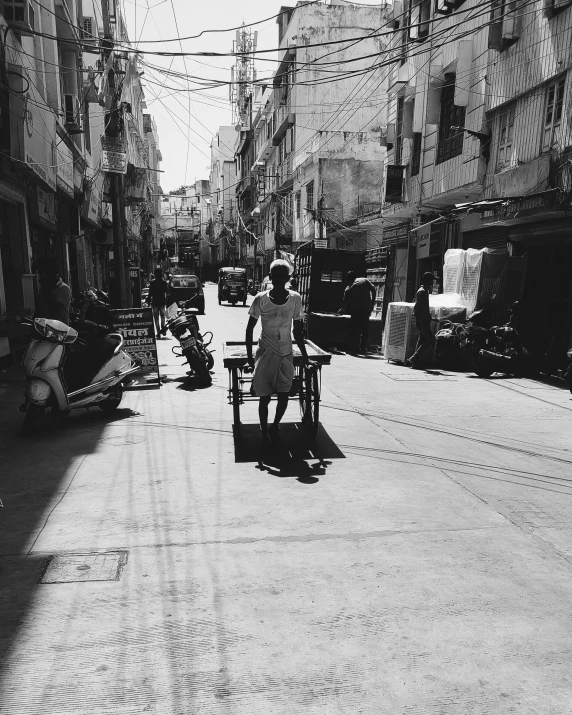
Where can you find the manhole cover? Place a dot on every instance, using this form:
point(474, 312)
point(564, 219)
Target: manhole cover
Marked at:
point(122, 440)
point(417, 376)
point(69, 568)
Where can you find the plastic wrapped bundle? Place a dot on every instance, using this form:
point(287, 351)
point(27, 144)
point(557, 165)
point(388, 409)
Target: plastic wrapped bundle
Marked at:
point(453, 270)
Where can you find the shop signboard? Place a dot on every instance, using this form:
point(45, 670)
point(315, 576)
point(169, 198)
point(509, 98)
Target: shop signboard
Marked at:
point(397, 235)
point(423, 242)
point(113, 155)
point(43, 208)
point(91, 207)
point(136, 326)
point(39, 124)
point(64, 168)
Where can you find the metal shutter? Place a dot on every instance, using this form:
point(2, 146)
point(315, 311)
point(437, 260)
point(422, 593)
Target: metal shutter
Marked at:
point(493, 237)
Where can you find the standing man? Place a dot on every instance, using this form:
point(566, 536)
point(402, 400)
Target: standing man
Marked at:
point(158, 290)
point(359, 300)
point(424, 355)
point(55, 295)
point(279, 310)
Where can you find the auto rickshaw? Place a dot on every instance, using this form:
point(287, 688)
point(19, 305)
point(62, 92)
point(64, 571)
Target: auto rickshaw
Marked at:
point(232, 285)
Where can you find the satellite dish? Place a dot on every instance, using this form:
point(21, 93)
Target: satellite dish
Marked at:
point(238, 127)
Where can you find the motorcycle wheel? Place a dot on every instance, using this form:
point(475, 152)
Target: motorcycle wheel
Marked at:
point(114, 399)
point(200, 369)
point(478, 365)
point(209, 360)
point(32, 419)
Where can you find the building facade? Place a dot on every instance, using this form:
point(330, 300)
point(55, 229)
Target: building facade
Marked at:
point(54, 97)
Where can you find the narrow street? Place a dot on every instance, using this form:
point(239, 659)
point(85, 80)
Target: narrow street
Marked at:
point(416, 559)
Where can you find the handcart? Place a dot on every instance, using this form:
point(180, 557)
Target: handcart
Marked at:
point(307, 383)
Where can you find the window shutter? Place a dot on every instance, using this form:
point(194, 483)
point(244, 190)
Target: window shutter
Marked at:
point(463, 74)
point(418, 105)
point(495, 27)
point(433, 105)
point(407, 126)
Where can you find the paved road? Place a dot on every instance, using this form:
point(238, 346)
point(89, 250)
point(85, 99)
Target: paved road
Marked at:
point(416, 560)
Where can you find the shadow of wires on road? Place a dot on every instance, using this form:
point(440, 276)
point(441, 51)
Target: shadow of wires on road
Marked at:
point(37, 472)
point(290, 456)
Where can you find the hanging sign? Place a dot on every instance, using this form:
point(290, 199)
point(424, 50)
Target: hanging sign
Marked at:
point(136, 326)
point(113, 155)
point(320, 243)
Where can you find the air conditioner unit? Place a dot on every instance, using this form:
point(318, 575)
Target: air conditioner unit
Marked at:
point(20, 16)
point(400, 336)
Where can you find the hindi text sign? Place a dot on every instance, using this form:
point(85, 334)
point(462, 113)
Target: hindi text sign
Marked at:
point(136, 326)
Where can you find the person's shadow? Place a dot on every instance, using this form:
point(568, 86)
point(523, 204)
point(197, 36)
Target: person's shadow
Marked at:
point(293, 456)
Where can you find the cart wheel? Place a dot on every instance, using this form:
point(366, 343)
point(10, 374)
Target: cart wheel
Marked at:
point(310, 400)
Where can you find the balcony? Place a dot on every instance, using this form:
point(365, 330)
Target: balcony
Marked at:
point(283, 120)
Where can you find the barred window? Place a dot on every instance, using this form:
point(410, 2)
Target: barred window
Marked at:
point(450, 141)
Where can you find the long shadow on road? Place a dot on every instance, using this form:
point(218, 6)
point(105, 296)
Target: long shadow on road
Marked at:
point(36, 473)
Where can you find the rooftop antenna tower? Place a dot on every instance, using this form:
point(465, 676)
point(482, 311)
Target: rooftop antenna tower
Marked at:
point(243, 76)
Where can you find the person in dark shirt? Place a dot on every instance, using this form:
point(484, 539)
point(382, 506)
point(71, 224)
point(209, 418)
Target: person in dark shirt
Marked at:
point(158, 290)
point(359, 299)
point(424, 355)
point(54, 294)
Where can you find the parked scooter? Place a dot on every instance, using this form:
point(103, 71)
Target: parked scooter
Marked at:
point(194, 348)
point(494, 349)
point(59, 380)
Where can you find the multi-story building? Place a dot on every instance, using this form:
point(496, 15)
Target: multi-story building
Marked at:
point(55, 64)
point(185, 225)
point(223, 190)
point(479, 144)
point(328, 113)
point(310, 162)
point(435, 132)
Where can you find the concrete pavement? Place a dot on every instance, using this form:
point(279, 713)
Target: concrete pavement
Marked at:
point(416, 560)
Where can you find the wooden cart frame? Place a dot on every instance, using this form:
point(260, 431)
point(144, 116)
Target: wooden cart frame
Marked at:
point(307, 383)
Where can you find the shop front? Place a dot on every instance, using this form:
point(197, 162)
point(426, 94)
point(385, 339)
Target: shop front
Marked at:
point(396, 241)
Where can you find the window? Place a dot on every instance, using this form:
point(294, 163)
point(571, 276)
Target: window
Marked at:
point(506, 138)
point(310, 196)
point(298, 204)
point(553, 7)
point(446, 7)
point(450, 141)
point(416, 154)
point(419, 16)
point(553, 112)
point(506, 24)
point(398, 148)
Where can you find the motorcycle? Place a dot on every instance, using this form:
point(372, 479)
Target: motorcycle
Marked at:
point(495, 349)
point(59, 380)
point(185, 328)
point(568, 373)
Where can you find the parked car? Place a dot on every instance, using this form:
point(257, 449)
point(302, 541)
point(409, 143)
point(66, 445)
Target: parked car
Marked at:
point(187, 287)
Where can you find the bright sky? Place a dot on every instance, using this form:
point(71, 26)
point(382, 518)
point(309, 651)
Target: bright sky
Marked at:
point(186, 128)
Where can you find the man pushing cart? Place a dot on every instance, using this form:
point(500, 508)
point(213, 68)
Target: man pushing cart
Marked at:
point(276, 363)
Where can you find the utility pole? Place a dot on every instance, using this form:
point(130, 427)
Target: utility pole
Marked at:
point(121, 295)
